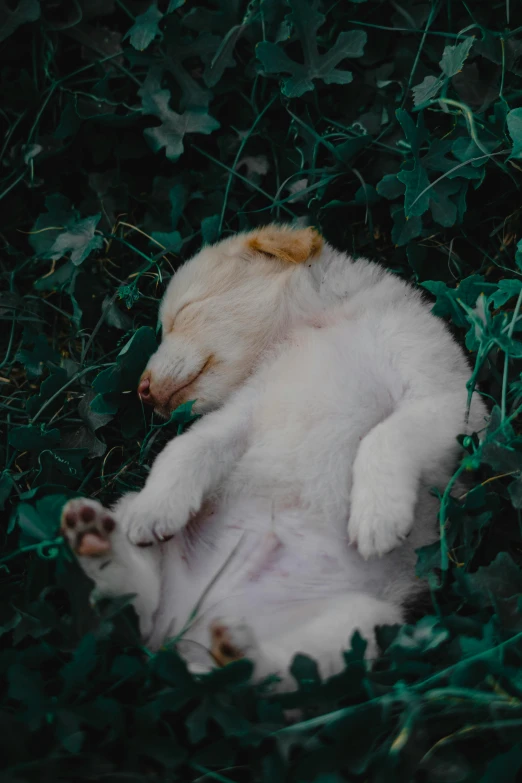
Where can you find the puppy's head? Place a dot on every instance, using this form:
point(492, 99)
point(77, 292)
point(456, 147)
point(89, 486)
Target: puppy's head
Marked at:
point(220, 311)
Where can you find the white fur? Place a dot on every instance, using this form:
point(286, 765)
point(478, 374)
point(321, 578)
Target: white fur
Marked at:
point(335, 399)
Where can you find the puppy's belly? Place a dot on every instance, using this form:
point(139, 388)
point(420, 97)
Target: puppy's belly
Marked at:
point(269, 567)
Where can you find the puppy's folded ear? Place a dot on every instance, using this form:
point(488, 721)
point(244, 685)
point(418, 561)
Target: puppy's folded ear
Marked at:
point(291, 245)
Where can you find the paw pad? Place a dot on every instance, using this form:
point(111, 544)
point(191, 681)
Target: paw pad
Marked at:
point(223, 647)
point(87, 526)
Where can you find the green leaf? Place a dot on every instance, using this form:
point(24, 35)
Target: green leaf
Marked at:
point(435, 158)
point(404, 229)
point(70, 122)
point(171, 241)
point(234, 673)
point(453, 57)
point(60, 230)
point(105, 405)
point(502, 578)
point(209, 229)
point(306, 21)
point(366, 196)
point(49, 224)
point(504, 767)
point(63, 279)
point(172, 669)
point(180, 50)
point(347, 151)
point(41, 522)
point(30, 523)
point(465, 149)
point(68, 732)
point(82, 664)
point(169, 135)
point(506, 290)
point(57, 280)
point(32, 438)
point(390, 187)
point(416, 134)
point(223, 58)
point(6, 487)
point(49, 388)
point(428, 558)
point(84, 440)
point(39, 356)
point(113, 316)
point(518, 254)
point(27, 686)
point(178, 200)
point(111, 384)
point(417, 198)
point(416, 640)
point(426, 90)
point(515, 493)
point(305, 672)
point(130, 294)
point(443, 209)
point(11, 19)
point(501, 457)
point(163, 750)
point(145, 28)
point(79, 240)
point(447, 299)
point(136, 352)
point(514, 124)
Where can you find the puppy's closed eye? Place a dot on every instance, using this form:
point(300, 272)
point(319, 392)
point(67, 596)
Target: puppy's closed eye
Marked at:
point(171, 323)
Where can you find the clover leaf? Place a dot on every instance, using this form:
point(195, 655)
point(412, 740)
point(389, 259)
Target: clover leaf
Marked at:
point(61, 231)
point(450, 64)
point(145, 28)
point(306, 21)
point(169, 135)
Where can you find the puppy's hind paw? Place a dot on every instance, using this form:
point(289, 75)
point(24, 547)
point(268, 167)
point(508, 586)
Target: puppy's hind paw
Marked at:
point(230, 641)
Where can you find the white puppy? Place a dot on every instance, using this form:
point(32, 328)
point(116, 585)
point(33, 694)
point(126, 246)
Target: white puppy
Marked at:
point(336, 399)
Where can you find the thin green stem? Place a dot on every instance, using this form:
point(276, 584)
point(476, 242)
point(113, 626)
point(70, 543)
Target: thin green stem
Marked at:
point(70, 382)
point(13, 184)
point(506, 355)
point(241, 177)
point(456, 168)
point(236, 159)
point(433, 13)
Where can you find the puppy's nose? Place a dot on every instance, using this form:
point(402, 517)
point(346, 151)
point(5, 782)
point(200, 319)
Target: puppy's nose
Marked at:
point(144, 392)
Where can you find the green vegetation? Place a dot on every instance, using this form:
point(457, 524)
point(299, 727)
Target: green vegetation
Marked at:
point(134, 132)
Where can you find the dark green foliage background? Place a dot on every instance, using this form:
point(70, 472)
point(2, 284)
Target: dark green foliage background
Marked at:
point(132, 133)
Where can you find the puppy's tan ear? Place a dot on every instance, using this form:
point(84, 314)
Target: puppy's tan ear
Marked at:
point(292, 245)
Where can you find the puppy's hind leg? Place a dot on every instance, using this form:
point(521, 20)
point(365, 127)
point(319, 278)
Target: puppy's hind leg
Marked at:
point(99, 541)
point(323, 636)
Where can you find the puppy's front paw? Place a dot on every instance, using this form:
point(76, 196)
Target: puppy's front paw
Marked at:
point(151, 518)
point(88, 526)
point(379, 520)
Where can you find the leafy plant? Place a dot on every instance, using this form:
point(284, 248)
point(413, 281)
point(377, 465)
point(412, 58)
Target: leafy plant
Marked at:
point(133, 132)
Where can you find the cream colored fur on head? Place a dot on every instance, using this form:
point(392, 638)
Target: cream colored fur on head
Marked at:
point(223, 309)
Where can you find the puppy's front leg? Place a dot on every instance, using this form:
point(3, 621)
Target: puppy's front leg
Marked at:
point(188, 469)
point(418, 438)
